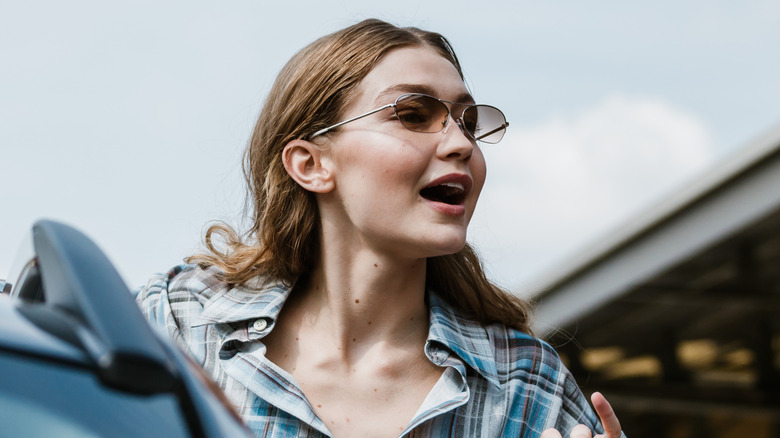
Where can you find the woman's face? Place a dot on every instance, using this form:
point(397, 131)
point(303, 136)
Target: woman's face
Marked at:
point(405, 193)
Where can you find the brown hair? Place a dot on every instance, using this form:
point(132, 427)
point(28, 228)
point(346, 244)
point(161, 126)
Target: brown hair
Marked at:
point(309, 94)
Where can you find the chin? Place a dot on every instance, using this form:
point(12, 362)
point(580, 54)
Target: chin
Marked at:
point(450, 247)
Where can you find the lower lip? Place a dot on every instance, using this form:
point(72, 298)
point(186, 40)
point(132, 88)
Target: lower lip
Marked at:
point(448, 209)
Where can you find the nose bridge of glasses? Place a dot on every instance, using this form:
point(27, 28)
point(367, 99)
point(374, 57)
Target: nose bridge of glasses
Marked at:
point(456, 112)
point(463, 129)
point(452, 114)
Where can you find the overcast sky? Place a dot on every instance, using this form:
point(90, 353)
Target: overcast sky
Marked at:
point(128, 119)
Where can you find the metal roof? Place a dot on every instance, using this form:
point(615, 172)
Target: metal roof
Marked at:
point(681, 307)
point(739, 191)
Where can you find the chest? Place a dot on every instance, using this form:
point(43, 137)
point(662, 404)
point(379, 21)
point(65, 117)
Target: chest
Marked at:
point(359, 403)
point(453, 407)
point(459, 403)
point(455, 402)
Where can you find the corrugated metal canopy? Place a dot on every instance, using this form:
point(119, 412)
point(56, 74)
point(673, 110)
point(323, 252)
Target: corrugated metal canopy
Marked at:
point(681, 308)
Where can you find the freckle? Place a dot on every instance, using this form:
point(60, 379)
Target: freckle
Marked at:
point(369, 322)
point(347, 420)
point(374, 389)
point(411, 319)
point(375, 265)
point(353, 339)
point(357, 301)
point(296, 339)
point(332, 422)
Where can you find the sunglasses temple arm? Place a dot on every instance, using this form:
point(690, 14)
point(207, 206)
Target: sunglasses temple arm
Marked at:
point(503, 126)
point(329, 128)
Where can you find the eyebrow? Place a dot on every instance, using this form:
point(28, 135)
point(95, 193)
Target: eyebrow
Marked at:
point(395, 90)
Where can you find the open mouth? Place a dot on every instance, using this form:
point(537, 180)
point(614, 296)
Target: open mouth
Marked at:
point(452, 193)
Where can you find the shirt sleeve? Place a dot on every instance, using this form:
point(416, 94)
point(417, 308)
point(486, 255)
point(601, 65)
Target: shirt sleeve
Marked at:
point(575, 408)
point(543, 393)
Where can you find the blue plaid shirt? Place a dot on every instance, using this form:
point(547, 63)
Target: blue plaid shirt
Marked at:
point(497, 382)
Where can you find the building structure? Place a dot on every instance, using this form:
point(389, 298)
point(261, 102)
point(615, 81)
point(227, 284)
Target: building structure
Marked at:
point(676, 317)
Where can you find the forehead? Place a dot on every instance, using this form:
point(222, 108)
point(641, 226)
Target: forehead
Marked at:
point(412, 69)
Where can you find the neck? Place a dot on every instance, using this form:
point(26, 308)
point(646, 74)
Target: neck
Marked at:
point(363, 298)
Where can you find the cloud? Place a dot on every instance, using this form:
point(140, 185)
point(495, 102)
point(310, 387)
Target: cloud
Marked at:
point(556, 186)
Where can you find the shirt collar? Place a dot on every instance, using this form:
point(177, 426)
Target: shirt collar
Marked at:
point(257, 298)
point(467, 339)
point(261, 298)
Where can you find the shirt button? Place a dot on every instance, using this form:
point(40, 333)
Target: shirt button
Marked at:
point(260, 324)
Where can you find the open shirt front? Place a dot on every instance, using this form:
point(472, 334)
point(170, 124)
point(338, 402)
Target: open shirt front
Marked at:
point(497, 382)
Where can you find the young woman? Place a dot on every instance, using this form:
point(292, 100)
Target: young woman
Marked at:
point(353, 306)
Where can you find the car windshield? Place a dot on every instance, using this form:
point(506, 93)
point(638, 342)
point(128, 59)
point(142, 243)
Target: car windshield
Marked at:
point(23, 258)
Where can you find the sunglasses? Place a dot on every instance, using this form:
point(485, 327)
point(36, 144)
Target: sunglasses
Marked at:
point(423, 113)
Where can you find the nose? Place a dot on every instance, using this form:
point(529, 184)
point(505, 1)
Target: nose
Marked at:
point(456, 143)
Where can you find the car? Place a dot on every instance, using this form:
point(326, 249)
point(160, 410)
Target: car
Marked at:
point(78, 359)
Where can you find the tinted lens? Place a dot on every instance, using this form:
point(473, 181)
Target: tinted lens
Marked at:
point(485, 123)
point(420, 113)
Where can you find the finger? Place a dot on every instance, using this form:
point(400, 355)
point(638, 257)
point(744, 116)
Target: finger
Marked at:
point(608, 418)
point(580, 431)
point(551, 433)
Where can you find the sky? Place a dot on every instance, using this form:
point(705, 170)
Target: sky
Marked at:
point(128, 119)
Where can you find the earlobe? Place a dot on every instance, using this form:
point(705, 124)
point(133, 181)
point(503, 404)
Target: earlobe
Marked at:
point(304, 163)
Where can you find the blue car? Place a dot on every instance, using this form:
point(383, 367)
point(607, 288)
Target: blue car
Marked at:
point(78, 359)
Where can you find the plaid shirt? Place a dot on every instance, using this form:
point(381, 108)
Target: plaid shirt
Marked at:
point(497, 381)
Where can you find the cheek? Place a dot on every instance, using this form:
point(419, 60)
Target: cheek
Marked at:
point(394, 168)
point(478, 168)
point(382, 173)
point(404, 167)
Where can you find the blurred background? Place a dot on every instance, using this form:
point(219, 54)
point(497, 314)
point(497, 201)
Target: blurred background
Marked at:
point(633, 195)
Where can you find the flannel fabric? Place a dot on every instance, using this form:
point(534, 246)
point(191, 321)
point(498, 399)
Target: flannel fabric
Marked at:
point(497, 382)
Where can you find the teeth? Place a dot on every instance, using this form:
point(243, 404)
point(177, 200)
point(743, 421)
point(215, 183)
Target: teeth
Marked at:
point(454, 185)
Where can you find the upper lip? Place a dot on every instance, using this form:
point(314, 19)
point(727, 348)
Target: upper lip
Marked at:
point(456, 178)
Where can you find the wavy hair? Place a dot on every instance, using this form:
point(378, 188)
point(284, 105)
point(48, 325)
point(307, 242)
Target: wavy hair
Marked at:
point(309, 94)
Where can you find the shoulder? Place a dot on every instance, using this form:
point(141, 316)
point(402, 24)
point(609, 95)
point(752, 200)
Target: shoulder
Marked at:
point(518, 355)
point(166, 297)
point(526, 373)
point(498, 352)
point(182, 279)
point(190, 296)
point(516, 347)
point(531, 370)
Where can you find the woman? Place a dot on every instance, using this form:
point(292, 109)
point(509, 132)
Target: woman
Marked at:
point(354, 306)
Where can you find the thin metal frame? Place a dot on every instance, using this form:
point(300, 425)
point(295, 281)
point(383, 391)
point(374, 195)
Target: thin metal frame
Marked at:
point(394, 105)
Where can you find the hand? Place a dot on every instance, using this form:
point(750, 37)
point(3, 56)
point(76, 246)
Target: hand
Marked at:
point(608, 419)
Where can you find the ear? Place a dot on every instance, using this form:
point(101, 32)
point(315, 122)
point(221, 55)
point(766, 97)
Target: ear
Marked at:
point(304, 162)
